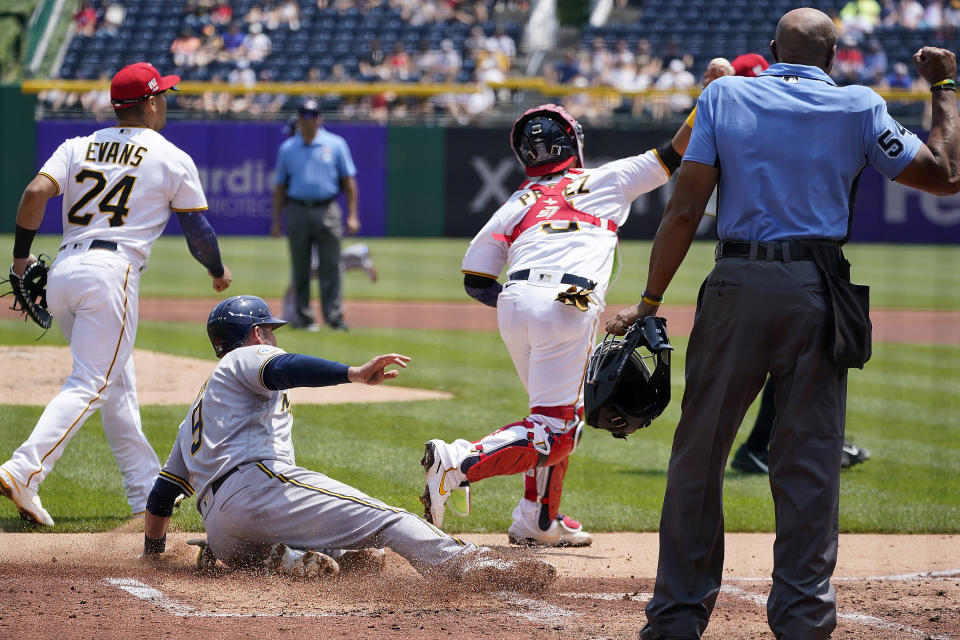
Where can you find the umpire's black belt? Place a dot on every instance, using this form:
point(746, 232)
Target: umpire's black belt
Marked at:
point(215, 485)
point(568, 278)
point(95, 244)
point(311, 203)
point(773, 251)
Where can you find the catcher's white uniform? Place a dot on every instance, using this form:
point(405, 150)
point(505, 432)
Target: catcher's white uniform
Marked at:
point(558, 238)
point(119, 186)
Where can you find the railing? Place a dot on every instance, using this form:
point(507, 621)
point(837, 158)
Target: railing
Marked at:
point(537, 85)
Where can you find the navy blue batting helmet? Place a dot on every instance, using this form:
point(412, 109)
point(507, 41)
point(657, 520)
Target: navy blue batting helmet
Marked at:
point(231, 321)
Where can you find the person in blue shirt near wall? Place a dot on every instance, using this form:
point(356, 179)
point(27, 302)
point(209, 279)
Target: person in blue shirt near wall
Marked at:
point(313, 168)
point(785, 149)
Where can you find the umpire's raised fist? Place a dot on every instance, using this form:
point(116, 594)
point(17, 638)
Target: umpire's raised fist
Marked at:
point(935, 64)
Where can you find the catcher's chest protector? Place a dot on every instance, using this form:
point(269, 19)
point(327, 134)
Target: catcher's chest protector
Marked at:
point(551, 206)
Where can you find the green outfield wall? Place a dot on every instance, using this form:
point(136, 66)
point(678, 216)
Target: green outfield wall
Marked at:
point(18, 156)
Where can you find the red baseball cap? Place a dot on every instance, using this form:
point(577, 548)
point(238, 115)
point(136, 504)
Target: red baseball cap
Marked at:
point(749, 65)
point(137, 81)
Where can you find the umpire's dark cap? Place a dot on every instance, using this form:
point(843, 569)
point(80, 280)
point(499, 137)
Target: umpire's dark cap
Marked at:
point(311, 107)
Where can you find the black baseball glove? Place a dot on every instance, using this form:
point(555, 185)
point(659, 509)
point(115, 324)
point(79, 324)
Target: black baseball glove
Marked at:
point(30, 293)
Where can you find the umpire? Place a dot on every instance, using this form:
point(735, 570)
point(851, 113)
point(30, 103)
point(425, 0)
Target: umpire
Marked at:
point(786, 148)
point(313, 167)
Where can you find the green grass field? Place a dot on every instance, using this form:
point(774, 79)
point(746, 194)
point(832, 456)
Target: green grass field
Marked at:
point(903, 406)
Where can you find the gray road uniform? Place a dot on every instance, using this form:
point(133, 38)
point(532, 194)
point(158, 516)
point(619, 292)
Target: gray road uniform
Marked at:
point(234, 450)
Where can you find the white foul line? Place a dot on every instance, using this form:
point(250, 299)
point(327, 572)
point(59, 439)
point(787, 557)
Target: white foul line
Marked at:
point(145, 592)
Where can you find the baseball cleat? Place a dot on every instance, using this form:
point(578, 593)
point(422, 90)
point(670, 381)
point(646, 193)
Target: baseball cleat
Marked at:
point(852, 454)
point(485, 571)
point(366, 561)
point(564, 531)
point(300, 564)
point(27, 500)
point(747, 461)
point(440, 483)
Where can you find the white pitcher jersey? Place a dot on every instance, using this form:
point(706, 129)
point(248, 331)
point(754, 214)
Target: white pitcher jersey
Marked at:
point(120, 184)
point(585, 250)
point(235, 419)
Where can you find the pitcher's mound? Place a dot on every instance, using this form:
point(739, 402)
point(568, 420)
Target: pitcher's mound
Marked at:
point(166, 379)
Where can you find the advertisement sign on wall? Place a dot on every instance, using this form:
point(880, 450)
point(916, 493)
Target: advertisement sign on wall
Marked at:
point(235, 161)
point(478, 172)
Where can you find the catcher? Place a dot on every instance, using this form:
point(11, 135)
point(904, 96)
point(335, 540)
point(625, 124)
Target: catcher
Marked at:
point(234, 449)
point(119, 185)
point(557, 236)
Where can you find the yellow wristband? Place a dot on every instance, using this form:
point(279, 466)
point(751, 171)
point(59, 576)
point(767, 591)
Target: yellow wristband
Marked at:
point(943, 82)
point(651, 301)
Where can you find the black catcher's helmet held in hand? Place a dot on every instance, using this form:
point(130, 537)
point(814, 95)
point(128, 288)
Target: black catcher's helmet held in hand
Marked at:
point(231, 321)
point(547, 139)
point(622, 393)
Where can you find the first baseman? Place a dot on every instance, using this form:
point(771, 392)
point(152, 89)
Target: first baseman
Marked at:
point(234, 450)
point(557, 234)
point(119, 185)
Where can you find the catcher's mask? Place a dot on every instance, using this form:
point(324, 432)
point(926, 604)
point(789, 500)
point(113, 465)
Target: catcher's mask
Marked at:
point(547, 139)
point(231, 321)
point(622, 393)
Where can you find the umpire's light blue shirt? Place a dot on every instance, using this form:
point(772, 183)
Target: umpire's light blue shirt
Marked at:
point(790, 145)
point(313, 172)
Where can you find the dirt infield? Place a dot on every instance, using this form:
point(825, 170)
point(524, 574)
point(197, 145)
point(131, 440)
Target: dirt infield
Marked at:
point(915, 326)
point(93, 586)
point(164, 379)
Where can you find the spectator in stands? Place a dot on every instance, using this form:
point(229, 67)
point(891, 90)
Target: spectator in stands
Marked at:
point(184, 48)
point(257, 44)
point(219, 102)
point(874, 62)
point(475, 42)
point(97, 101)
point(85, 20)
point(677, 78)
point(933, 15)
point(425, 61)
point(899, 78)
point(399, 64)
point(114, 14)
point(859, 17)
point(266, 103)
point(601, 60)
point(233, 41)
point(289, 14)
point(951, 19)
point(502, 43)
point(448, 61)
point(211, 46)
point(911, 14)
point(372, 66)
point(222, 14)
point(490, 52)
point(564, 70)
point(848, 67)
point(648, 63)
point(622, 53)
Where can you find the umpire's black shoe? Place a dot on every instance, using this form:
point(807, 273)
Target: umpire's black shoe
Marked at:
point(852, 454)
point(747, 461)
point(649, 633)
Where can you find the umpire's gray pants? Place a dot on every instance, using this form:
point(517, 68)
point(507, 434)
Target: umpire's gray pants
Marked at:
point(755, 317)
point(321, 226)
point(270, 501)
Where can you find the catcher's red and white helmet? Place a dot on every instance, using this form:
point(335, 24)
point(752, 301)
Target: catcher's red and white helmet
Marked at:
point(547, 139)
